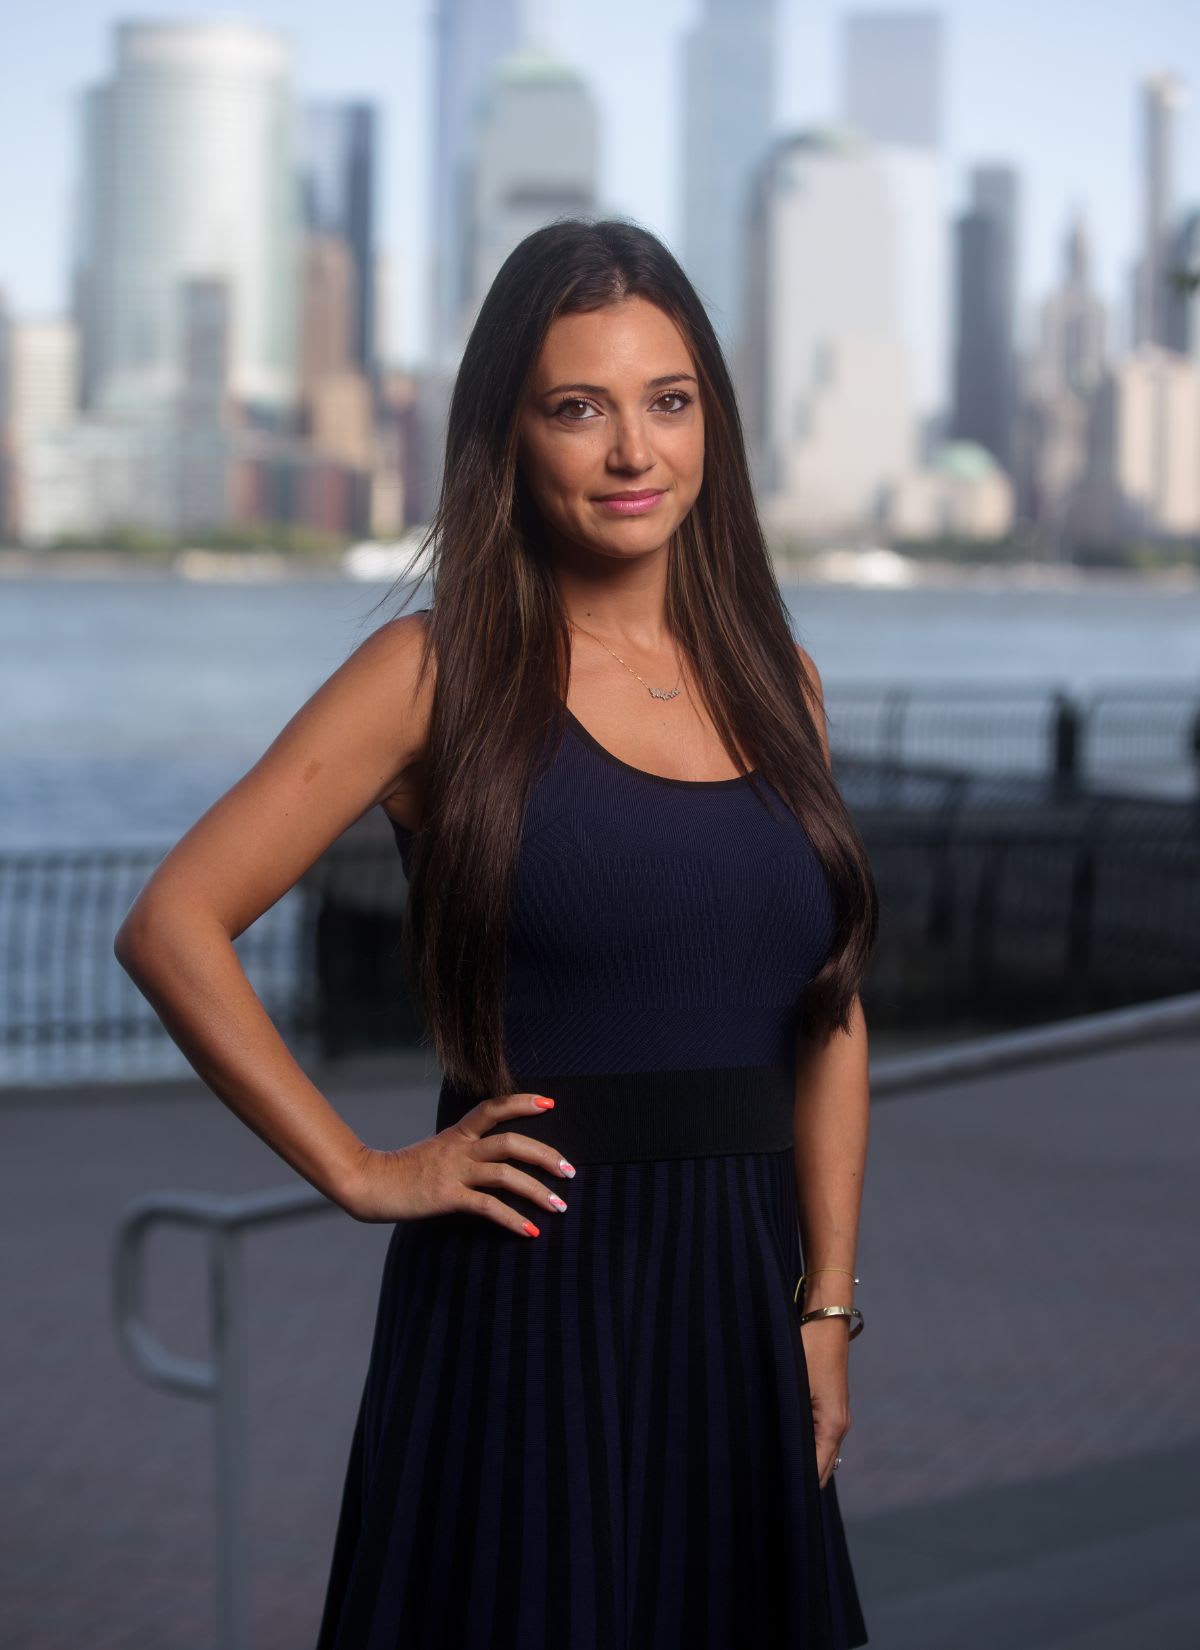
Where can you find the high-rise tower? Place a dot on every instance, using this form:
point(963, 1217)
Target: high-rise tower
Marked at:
point(188, 172)
point(471, 36)
point(825, 382)
point(892, 92)
point(1162, 96)
point(518, 181)
point(985, 364)
point(339, 147)
point(728, 94)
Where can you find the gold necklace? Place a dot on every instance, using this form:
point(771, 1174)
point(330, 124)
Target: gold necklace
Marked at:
point(656, 693)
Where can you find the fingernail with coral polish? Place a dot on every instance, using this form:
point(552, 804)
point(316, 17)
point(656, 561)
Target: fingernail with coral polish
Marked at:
point(532, 1229)
point(541, 1100)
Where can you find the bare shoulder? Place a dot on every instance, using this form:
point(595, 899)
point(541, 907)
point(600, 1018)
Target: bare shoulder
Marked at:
point(809, 665)
point(394, 665)
point(378, 702)
point(356, 742)
point(816, 698)
point(384, 678)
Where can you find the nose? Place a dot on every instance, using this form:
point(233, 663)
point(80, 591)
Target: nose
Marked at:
point(631, 449)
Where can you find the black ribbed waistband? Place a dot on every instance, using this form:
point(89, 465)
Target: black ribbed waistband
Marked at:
point(622, 1117)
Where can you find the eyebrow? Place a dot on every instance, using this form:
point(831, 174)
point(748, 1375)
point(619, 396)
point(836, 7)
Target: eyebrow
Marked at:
point(600, 389)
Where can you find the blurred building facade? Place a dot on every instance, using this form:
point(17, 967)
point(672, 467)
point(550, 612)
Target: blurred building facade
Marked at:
point(1058, 382)
point(1143, 471)
point(892, 83)
point(470, 37)
point(961, 493)
point(339, 166)
point(39, 394)
point(729, 57)
point(1183, 285)
point(1162, 97)
point(985, 314)
point(187, 170)
point(223, 289)
point(518, 180)
point(826, 380)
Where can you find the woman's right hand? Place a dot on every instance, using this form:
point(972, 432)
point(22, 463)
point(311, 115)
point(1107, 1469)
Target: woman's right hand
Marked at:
point(448, 1172)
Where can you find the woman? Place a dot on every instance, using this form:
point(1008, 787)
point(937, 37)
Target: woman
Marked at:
point(639, 914)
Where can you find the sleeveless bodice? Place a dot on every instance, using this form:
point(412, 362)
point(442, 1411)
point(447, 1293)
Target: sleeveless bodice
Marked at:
point(656, 923)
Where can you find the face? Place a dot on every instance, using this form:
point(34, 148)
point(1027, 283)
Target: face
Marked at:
point(613, 408)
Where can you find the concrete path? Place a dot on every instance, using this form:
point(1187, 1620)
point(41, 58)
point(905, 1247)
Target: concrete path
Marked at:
point(1023, 1468)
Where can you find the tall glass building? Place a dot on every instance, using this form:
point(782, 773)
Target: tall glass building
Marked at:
point(728, 97)
point(188, 172)
point(826, 385)
point(519, 181)
point(470, 38)
point(892, 92)
point(339, 146)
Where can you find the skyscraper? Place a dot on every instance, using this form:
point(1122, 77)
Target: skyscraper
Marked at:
point(1162, 96)
point(1060, 379)
point(188, 171)
point(728, 96)
point(892, 76)
point(985, 366)
point(825, 383)
point(39, 396)
point(892, 92)
point(339, 146)
point(470, 37)
point(518, 180)
point(1145, 432)
point(1071, 347)
point(1183, 294)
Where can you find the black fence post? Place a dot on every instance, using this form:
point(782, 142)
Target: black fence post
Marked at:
point(1067, 744)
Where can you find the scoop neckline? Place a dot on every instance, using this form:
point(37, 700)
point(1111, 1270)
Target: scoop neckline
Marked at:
point(590, 740)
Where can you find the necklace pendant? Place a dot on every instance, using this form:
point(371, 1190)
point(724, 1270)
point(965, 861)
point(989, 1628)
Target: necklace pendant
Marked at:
point(664, 693)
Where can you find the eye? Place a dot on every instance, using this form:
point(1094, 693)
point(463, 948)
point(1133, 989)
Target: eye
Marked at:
point(676, 395)
point(571, 401)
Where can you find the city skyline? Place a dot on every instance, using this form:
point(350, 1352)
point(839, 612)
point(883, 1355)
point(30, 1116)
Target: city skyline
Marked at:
point(1089, 161)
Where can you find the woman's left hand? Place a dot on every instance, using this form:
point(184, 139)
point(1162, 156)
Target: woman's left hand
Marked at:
point(827, 1354)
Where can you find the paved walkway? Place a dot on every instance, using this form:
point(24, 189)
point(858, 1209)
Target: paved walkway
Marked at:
point(1023, 1466)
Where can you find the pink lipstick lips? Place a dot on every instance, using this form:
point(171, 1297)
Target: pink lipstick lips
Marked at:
point(631, 503)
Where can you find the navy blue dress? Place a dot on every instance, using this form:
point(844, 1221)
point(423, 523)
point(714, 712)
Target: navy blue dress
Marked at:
point(602, 1438)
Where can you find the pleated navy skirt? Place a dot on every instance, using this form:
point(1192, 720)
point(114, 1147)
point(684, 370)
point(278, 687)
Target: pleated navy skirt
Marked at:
point(600, 1438)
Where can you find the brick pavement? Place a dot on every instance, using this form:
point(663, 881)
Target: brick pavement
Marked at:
point(1025, 1437)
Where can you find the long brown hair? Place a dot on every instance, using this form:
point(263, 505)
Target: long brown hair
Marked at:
point(498, 634)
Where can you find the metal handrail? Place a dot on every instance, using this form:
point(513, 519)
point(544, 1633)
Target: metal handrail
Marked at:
point(222, 1381)
point(1086, 1034)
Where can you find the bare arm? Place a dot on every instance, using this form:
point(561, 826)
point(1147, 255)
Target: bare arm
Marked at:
point(830, 1132)
point(832, 1104)
point(356, 741)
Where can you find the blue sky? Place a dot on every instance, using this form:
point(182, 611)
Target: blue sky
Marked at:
point(1050, 85)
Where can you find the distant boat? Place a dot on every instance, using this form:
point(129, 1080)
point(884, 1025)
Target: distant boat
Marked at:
point(230, 566)
point(372, 560)
point(873, 567)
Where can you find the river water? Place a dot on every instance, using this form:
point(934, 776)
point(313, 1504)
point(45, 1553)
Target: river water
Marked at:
point(132, 703)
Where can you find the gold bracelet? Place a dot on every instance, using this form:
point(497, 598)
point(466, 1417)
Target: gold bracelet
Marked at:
point(847, 1312)
point(813, 1273)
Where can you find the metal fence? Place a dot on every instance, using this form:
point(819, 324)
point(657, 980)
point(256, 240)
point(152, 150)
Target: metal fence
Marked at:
point(1010, 902)
point(1140, 737)
point(68, 1011)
